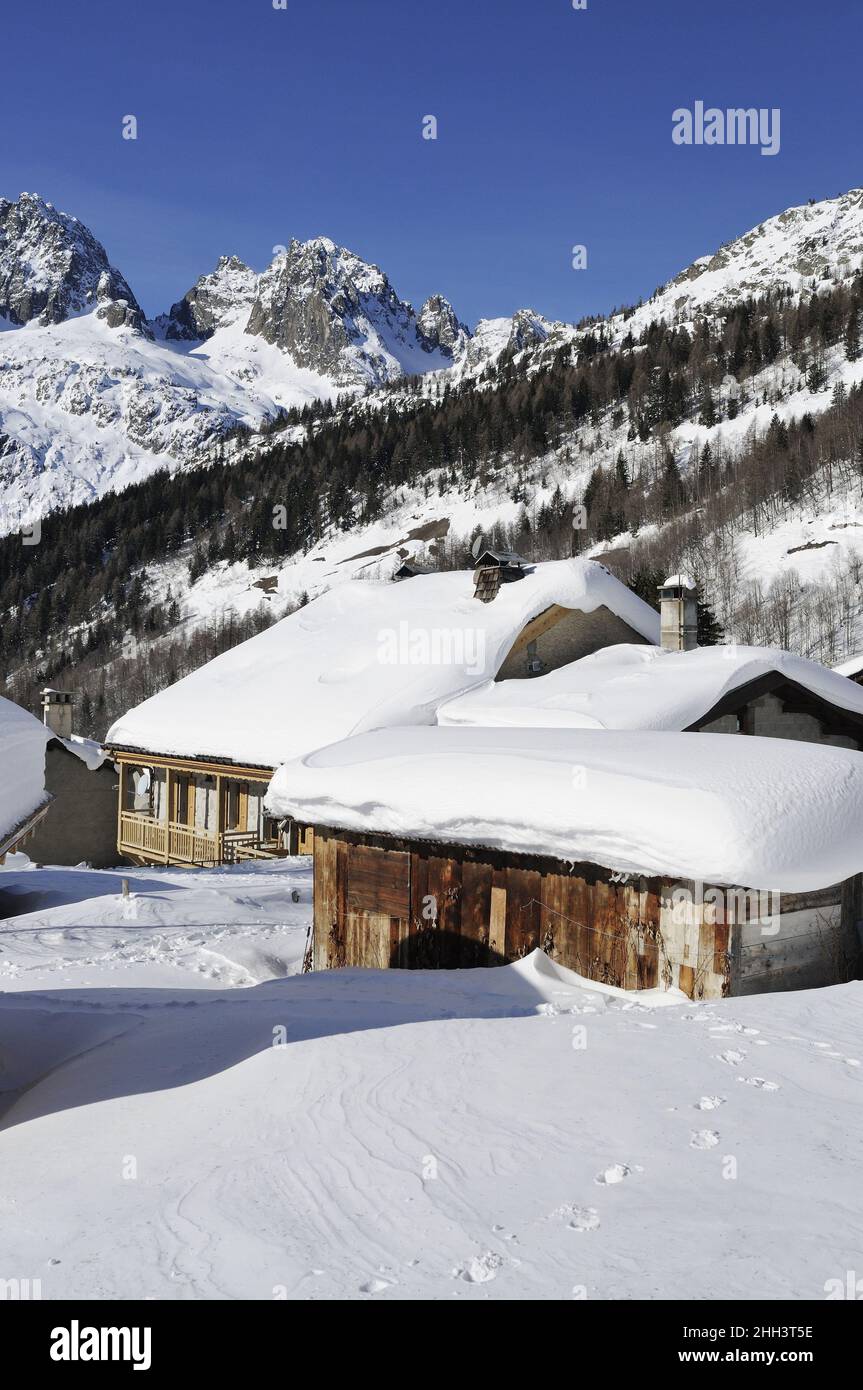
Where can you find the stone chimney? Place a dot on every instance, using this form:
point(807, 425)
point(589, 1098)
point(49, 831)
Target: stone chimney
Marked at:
point(679, 606)
point(57, 712)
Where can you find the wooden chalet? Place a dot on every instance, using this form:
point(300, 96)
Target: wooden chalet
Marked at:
point(197, 812)
point(195, 760)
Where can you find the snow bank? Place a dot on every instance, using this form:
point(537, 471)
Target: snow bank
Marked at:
point(632, 687)
point(362, 656)
point(22, 766)
point(761, 813)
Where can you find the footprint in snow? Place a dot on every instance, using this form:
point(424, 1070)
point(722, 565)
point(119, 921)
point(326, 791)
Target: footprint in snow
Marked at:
point(732, 1056)
point(479, 1270)
point(710, 1102)
point(704, 1139)
point(616, 1173)
point(375, 1286)
point(584, 1219)
point(759, 1082)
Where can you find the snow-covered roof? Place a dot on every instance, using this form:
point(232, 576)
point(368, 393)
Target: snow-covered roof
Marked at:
point(91, 753)
point(758, 812)
point(22, 767)
point(638, 687)
point(365, 655)
point(852, 667)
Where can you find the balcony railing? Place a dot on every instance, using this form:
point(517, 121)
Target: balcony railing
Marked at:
point(169, 841)
point(173, 843)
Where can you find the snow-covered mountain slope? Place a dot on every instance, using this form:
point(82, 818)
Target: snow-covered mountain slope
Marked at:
point(92, 396)
point(85, 408)
point(797, 250)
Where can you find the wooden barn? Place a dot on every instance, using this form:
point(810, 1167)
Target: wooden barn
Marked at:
point(195, 760)
point(454, 848)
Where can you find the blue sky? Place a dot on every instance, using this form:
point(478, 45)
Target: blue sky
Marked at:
point(256, 125)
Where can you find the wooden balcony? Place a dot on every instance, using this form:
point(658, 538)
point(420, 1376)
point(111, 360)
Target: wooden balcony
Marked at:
point(169, 842)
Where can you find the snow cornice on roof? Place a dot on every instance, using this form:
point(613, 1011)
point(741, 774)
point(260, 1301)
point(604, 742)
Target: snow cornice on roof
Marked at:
point(638, 687)
point(763, 813)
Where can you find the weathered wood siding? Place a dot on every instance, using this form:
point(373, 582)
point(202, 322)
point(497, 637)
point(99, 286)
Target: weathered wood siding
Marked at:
point(381, 902)
point(385, 903)
point(813, 940)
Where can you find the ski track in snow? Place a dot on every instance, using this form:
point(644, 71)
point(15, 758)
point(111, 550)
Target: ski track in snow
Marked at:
point(418, 1135)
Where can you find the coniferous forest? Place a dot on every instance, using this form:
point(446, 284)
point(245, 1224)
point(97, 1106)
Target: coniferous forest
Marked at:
point(81, 608)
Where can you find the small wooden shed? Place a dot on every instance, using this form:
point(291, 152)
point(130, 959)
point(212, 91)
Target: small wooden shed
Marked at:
point(711, 926)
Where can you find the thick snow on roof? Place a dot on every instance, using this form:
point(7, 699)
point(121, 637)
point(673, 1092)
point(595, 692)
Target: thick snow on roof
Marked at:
point(362, 656)
point(852, 667)
point(634, 687)
point(91, 753)
point(758, 812)
point(22, 765)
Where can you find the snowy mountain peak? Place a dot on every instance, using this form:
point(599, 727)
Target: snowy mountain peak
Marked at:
point(440, 326)
point(215, 301)
point(335, 313)
point(52, 268)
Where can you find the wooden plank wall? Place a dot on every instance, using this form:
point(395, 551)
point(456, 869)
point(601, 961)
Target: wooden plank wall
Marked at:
point(813, 941)
point(393, 903)
point(387, 903)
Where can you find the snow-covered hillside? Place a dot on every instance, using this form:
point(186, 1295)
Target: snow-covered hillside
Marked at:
point(92, 396)
point(510, 1133)
point(797, 250)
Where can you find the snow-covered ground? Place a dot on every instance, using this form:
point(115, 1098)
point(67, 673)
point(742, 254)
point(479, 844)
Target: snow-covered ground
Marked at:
point(183, 1121)
point(75, 928)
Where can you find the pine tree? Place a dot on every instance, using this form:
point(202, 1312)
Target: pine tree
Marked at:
point(710, 632)
point(852, 333)
point(708, 409)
